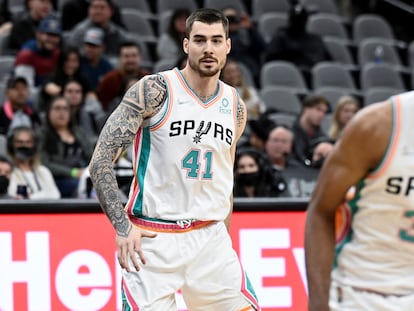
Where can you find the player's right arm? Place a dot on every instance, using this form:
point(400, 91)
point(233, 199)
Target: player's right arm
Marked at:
point(141, 101)
point(358, 152)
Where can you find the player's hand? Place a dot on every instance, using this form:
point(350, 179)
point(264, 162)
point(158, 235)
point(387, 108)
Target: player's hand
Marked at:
point(127, 247)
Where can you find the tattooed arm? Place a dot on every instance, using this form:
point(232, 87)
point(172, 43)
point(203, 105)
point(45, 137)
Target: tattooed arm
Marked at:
point(241, 124)
point(142, 100)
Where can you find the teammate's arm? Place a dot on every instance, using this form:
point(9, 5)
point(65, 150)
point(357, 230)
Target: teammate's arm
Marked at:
point(142, 100)
point(240, 126)
point(358, 152)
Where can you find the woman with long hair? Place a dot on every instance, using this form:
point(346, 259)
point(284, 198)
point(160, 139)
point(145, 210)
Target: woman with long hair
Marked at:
point(28, 171)
point(346, 108)
point(65, 148)
point(68, 68)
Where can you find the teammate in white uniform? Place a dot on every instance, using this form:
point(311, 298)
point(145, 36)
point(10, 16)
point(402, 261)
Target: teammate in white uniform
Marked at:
point(373, 268)
point(184, 126)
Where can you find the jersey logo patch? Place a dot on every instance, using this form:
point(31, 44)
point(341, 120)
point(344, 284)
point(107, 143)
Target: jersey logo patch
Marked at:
point(201, 131)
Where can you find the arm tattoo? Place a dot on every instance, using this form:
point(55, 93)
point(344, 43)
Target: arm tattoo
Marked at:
point(241, 117)
point(143, 99)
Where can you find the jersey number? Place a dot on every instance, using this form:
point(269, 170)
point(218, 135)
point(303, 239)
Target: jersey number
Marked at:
point(192, 162)
point(408, 234)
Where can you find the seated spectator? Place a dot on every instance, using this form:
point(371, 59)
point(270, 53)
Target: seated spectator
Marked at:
point(256, 133)
point(28, 171)
point(247, 44)
point(232, 75)
point(38, 57)
point(99, 15)
point(5, 173)
point(68, 68)
point(113, 83)
point(170, 43)
point(5, 17)
point(86, 114)
point(294, 44)
point(253, 175)
point(75, 11)
point(345, 110)
point(24, 27)
point(311, 144)
point(17, 111)
point(279, 148)
point(94, 65)
point(65, 148)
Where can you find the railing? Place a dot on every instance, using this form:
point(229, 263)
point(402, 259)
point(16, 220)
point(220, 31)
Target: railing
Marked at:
point(92, 206)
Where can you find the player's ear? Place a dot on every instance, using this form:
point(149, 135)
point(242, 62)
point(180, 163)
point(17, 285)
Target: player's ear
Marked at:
point(228, 43)
point(185, 45)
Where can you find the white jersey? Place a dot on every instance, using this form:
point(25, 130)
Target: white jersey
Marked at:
point(182, 159)
point(378, 251)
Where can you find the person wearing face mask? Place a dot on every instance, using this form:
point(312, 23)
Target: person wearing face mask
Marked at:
point(5, 172)
point(254, 176)
point(28, 172)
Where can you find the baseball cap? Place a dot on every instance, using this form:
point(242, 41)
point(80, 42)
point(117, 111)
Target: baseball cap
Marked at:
point(94, 36)
point(13, 80)
point(50, 24)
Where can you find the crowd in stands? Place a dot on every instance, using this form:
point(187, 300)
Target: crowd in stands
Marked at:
point(73, 60)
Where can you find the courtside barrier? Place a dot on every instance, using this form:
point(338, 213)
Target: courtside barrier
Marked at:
point(61, 254)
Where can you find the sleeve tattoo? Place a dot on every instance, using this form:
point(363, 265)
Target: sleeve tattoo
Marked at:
point(142, 100)
point(241, 117)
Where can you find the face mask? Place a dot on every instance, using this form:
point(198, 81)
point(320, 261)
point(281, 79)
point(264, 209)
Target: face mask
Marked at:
point(4, 184)
point(24, 153)
point(249, 179)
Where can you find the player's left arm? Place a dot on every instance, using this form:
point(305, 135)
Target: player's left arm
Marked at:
point(241, 117)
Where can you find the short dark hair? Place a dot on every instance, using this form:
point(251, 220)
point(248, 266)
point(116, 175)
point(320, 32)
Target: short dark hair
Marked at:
point(313, 100)
point(110, 3)
point(129, 44)
point(207, 16)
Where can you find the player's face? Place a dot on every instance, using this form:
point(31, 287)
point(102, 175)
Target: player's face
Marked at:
point(207, 48)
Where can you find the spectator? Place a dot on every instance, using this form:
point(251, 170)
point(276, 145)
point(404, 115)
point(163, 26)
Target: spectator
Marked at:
point(68, 68)
point(247, 43)
point(65, 148)
point(87, 115)
point(5, 173)
point(38, 57)
point(75, 11)
point(294, 44)
point(99, 15)
point(311, 144)
point(257, 132)
point(345, 110)
point(16, 111)
point(279, 148)
point(232, 75)
point(169, 45)
point(28, 171)
point(114, 82)
point(5, 17)
point(24, 28)
point(94, 65)
point(254, 177)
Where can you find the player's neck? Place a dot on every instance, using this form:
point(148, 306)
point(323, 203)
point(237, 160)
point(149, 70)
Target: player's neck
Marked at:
point(204, 87)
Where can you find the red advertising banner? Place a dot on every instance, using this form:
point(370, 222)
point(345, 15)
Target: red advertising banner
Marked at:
point(68, 261)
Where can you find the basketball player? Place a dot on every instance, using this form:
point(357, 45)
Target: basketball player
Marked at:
point(184, 126)
point(371, 267)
